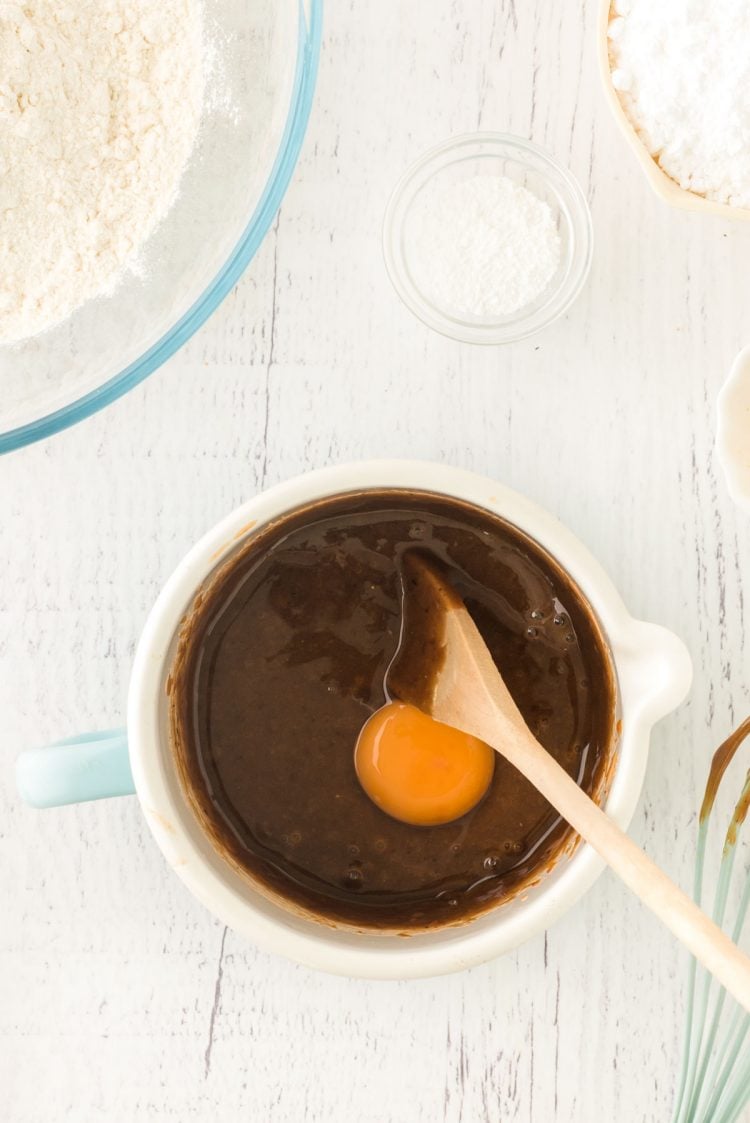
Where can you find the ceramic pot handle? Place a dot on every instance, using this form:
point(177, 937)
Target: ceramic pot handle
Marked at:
point(89, 766)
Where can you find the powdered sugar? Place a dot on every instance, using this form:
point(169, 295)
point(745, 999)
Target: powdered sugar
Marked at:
point(100, 103)
point(682, 69)
point(484, 247)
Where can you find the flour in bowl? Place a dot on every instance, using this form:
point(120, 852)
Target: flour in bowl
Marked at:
point(682, 71)
point(100, 104)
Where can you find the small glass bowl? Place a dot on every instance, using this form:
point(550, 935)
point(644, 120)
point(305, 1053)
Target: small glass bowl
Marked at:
point(498, 154)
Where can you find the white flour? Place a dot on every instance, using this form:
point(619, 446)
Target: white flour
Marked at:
point(484, 247)
point(682, 68)
point(100, 102)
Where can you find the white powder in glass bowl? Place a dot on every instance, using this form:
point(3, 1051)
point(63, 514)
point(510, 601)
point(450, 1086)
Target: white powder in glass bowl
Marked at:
point(100, 103)
point(483, 247)
point(682, 71)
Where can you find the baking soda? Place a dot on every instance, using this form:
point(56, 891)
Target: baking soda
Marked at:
point(484, 247)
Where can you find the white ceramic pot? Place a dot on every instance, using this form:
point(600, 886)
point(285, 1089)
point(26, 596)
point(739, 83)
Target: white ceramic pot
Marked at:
point(653, 673)
point(661, 184)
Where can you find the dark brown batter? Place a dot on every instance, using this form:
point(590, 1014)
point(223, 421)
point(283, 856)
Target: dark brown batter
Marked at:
point(284, 659)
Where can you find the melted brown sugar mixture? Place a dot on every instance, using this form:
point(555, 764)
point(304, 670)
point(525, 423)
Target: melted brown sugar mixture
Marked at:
point(284, 660)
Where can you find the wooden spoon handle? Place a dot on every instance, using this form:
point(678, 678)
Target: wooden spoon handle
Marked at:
point(679, 913)
point(470, 694)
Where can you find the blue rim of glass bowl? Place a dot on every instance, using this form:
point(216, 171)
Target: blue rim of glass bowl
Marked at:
point(254, 233)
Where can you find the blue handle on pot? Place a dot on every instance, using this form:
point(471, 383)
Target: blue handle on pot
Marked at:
point(89, 766)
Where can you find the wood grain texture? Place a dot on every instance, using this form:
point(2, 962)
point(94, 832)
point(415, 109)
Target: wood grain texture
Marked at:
point(120, 998)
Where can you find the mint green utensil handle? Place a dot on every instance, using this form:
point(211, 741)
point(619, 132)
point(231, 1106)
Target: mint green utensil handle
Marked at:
point(89, 766)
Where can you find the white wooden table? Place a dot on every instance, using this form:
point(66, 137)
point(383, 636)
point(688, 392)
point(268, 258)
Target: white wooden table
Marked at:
point(120, 998)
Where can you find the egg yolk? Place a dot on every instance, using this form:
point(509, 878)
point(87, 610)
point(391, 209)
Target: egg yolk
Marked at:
point(419, 770)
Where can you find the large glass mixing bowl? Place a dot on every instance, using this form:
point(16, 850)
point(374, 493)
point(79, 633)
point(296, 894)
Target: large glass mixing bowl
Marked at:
point(258, 103)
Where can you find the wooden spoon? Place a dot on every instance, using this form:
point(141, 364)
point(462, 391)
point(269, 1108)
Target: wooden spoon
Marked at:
point(444, 668)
